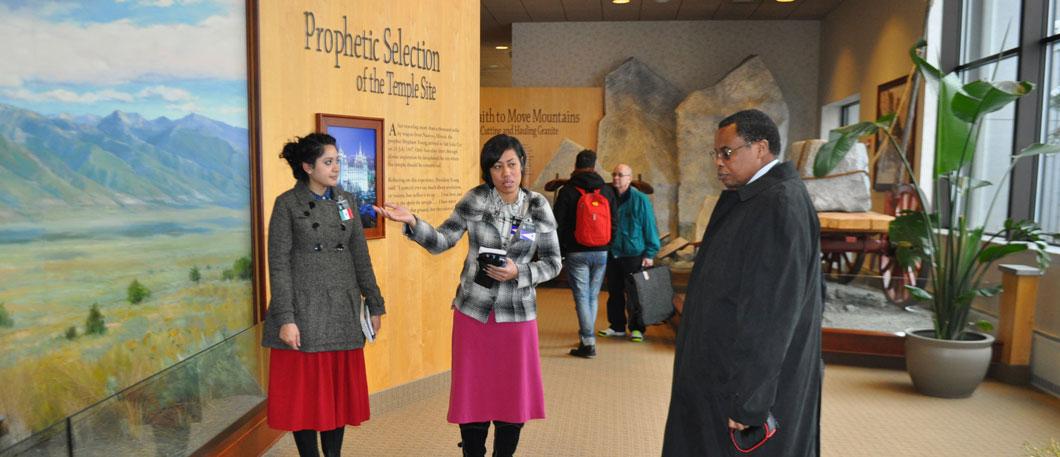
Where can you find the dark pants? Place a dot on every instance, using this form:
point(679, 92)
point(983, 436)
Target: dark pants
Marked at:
point(618, 271)
point(473, 438)
point(331, 441)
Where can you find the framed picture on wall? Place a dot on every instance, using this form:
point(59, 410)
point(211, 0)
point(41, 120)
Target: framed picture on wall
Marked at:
point(360, 144)
point(888, 171)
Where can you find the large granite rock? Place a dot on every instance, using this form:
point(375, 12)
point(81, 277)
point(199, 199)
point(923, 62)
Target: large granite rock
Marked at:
point(749, 85)
point(638, 130)
point(845, 189)
point(703, 218)
point(562, 164)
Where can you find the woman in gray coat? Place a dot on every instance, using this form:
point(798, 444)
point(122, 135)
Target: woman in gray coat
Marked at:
point(319, 273)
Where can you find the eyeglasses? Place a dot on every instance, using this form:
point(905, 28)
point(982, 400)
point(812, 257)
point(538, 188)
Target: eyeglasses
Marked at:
point(620, 175)
point(726, 152)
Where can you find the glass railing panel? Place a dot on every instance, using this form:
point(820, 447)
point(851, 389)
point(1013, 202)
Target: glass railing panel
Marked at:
point(171, 413)
point(49, 442)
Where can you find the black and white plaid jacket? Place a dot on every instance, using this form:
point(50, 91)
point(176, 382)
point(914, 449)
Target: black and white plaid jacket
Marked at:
point(514, 300)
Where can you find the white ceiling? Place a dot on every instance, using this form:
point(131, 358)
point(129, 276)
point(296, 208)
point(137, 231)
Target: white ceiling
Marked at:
point(498, 15)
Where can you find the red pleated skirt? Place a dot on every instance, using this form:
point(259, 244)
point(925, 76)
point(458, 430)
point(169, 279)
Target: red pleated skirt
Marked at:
point(316, 390)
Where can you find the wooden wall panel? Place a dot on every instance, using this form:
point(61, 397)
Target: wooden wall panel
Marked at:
point(585, 102)
point(297, 83)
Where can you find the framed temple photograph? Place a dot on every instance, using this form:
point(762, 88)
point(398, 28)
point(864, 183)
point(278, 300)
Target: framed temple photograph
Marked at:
point(888, 171)
point(360, 144)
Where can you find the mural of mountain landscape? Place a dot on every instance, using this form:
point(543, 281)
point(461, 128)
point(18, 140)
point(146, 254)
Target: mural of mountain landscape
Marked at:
point(118, 161)
point(124, 217)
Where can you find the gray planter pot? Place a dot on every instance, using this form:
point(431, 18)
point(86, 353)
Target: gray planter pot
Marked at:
point(947, 368)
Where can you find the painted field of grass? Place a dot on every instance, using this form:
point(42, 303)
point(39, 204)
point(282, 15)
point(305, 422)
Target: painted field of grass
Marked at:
point(54, 272)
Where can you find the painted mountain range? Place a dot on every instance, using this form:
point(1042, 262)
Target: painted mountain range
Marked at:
point(120, 160)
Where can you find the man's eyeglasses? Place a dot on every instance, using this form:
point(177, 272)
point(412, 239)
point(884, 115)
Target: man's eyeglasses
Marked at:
point(620, 175)
point(726, 152)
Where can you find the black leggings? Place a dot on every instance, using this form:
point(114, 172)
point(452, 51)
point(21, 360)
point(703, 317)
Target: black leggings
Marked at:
point(473, 438)
point(331, 441)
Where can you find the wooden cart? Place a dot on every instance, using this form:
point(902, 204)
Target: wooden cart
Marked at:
point(848, 239)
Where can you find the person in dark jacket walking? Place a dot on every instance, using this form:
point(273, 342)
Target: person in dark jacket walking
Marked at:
point(585, 265)
point(749, 345)
point(633, 249)
point(319, 272)
point(496, 373)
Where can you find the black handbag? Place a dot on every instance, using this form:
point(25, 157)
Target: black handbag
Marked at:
point(652, 295)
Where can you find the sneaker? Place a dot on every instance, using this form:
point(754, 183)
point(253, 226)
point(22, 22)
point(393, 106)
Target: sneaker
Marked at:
point(583, 351)
point(610, 332)
point(636, 336)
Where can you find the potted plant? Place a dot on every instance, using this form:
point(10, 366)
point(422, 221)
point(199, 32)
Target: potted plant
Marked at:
point(951, 359)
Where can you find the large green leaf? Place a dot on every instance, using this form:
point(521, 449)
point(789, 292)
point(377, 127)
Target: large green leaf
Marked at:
point(1039, 149)
point(841, 140)
point(964, 184)
point(919, 294)
point(981, 97)
point(910, 234)
point(1023, 230)
point(999, 251)
point(954, 134)
point(922, 65)
point(991, 291)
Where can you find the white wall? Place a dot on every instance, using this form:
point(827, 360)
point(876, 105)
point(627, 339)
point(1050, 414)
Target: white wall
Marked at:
point(690, 54)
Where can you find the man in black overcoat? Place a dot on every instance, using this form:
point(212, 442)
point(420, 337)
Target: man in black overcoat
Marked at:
point(750, 337)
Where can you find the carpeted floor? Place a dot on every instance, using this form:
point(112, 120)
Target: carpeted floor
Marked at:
point(615, 405)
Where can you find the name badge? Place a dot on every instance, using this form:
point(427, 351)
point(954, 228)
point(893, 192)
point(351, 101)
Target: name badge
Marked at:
point(345, 212)
point(527, 233)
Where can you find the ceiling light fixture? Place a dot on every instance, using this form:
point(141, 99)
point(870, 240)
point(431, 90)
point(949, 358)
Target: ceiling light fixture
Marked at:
point(502, 46)
point(785, 1)
point(620, 2)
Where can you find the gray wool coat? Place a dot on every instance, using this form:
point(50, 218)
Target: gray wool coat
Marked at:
point(319, 270)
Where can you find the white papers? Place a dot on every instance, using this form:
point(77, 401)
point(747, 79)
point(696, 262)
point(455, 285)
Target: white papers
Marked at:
point(366, 324)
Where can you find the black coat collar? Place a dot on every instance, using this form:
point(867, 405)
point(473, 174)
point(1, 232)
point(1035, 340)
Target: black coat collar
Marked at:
point(780, 172)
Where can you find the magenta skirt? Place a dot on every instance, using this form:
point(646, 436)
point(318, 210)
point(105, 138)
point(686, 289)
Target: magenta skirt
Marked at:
point(496, 371)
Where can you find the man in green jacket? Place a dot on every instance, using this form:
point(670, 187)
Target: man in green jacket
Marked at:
point(635, 244)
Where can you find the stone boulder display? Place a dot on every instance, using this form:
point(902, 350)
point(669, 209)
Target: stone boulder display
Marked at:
point(703, 218)
point(749, 85)
point(845, 189)
point(562, 164)
point(638, 130)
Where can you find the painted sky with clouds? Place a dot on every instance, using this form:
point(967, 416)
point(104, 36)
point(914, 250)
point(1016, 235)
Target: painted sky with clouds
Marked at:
point(152, 57)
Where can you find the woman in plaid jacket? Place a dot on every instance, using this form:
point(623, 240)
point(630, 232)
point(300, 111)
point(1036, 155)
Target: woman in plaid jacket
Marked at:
point(496, 372)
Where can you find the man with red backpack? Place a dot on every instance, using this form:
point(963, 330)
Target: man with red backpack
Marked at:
point(586, 211)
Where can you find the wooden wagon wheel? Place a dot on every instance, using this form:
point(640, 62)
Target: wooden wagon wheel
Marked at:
point(894, 277)
point(842, 267)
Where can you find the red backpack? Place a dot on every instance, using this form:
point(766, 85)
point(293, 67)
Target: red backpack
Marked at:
point(592, 222)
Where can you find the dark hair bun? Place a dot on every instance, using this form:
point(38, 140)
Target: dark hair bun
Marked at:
point(306, 149)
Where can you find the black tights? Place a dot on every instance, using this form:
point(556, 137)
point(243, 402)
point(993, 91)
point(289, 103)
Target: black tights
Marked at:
point(473, 438)
point(331, 441)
